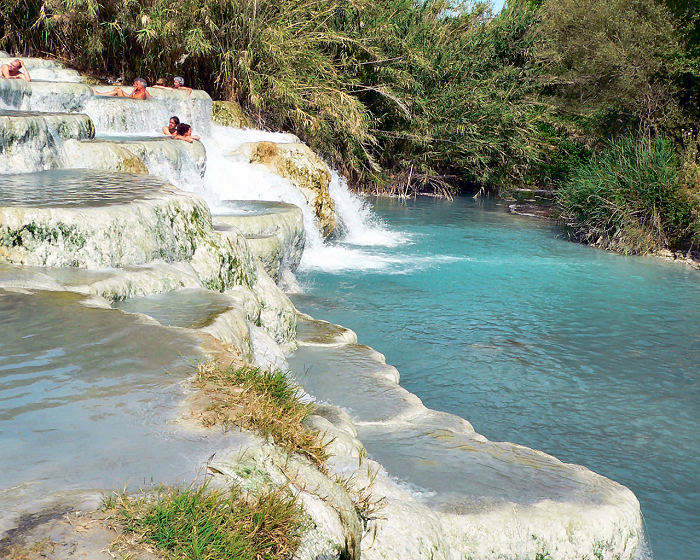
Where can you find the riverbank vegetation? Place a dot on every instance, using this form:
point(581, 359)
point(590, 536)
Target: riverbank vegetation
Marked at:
point(440, 96)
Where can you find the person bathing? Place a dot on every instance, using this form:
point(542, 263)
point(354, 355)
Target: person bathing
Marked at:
point(178, 83)
point(184, 132)
point(15, 70)
point(171, 129)
point(139, 91)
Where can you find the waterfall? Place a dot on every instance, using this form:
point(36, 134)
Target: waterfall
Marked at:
point(229, 178)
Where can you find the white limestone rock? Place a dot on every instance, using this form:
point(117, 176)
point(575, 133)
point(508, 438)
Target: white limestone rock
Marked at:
point(259, 221)
point(303, 168)
point(33, 141)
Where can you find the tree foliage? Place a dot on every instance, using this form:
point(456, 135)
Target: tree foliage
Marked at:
point(431, 96)
point(612, 56)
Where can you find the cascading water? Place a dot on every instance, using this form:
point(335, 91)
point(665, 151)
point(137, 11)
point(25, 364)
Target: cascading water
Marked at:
point(231, 178)
point(42, 70)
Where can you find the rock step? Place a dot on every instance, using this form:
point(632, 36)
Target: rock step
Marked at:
point(314, 332)
point(31, 141)
point(96, 219)
point(297, 163)
point(353, 377)
point(275, 231)
point(161, 156)
point(110, 114)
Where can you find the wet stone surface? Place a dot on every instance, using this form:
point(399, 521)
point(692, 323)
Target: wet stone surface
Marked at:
point(251, 207)
point(68, 188)
point(184, 308)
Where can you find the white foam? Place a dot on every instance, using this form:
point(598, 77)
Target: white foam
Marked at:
point(337, 258)
point(359, 224)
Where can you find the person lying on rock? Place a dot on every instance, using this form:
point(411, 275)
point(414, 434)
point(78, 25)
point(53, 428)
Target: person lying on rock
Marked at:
point(184, 132)
point(171, 129)
point(178, 83)
point(139, 91)
point(15, 70)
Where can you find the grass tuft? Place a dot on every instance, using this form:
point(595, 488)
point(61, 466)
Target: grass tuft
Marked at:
point(263, 401)
point(200, 523)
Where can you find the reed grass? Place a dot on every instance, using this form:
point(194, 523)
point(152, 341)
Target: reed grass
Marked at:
point(631, 198)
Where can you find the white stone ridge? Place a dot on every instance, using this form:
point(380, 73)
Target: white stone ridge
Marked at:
point(275, 233)
point(437, 484)
point(32, 141)
point(164, 225)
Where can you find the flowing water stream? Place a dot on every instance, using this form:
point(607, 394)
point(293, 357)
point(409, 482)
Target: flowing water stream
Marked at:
point(587, 355)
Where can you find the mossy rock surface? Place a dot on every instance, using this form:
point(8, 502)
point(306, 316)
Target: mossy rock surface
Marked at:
point(230, 113)
point(304, 169)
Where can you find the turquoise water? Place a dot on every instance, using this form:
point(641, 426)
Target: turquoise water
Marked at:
point(587, 355)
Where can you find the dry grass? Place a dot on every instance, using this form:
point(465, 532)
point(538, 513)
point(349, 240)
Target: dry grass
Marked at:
point(36, 550)
point(268, 403)
point(367, 507)
point(263, 401)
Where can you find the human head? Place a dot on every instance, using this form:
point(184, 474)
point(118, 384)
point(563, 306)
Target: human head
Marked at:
point(183, 129)
point(140, 83)
point(173, 122)
point(16, 64)
point(160, 82)
point(178, 81)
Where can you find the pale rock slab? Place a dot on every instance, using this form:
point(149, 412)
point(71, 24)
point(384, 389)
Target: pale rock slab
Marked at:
point(304, 169)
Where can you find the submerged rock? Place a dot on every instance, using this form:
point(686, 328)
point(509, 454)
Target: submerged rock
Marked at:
point(304, 169)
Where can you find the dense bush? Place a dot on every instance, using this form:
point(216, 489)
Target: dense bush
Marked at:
point(632, 198)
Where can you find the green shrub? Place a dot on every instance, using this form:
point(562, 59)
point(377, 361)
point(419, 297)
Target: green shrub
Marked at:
point(632, 198)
